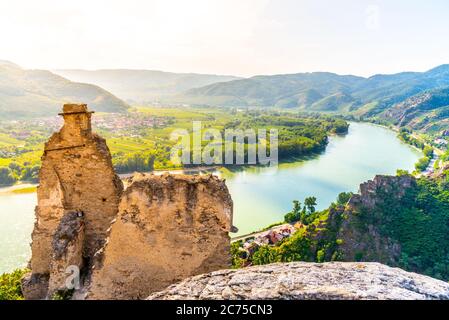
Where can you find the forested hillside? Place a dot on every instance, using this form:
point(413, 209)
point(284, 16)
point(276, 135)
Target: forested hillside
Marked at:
point(400, 221)
point(416, 99)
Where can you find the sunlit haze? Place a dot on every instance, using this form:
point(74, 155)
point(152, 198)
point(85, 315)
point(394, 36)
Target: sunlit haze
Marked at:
point(239, 37)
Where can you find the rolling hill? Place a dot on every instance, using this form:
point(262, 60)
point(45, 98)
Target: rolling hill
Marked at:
point(419, 100)
point(40, 93)
point(289, 91)
point(415, 99)
point(428, 111)
point(143, 86)
point(322, 91)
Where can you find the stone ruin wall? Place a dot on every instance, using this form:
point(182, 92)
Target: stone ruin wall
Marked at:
point(76, 175)
point(165, 228)
point(179, 227)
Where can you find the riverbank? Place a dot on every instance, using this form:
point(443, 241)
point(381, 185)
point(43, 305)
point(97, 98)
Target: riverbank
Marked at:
point(19, 188)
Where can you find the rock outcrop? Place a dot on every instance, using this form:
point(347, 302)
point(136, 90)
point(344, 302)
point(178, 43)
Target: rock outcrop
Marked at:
point(308, 281)
point(168, 228)
point(370, 191)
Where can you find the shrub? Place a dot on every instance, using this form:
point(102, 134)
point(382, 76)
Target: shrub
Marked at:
point(10, 285)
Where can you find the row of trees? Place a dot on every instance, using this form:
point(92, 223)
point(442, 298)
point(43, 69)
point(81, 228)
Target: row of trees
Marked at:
point(301, 213)
point(136, 162)
point(423, 163)
point(298, 136)
point(404, 135)
point(16, 172)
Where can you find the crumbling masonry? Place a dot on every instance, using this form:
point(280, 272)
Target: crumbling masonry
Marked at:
point(126, 244)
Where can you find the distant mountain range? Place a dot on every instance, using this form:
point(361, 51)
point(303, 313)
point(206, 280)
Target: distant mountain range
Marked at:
point(321, 91)
point(40, 93)
point(144, 86)
point(416, 99)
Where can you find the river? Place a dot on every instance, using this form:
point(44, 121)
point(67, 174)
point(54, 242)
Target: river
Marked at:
point(261, 195)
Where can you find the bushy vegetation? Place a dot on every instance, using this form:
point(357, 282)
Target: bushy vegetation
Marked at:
point(10, 285)
point(445, 156)
point(15, 172)
point(423, 163)
point(299, 213)
point(420, 224)
point(404, 135)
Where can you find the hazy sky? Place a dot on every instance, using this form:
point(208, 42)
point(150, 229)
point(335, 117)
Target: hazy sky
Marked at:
point(240, 37)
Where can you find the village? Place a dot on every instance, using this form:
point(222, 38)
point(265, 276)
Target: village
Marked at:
point(442, 140)
point(128, 124)
point(273, 236)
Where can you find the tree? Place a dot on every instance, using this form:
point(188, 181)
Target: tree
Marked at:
point(30, 174)
point(401, 173)
point(6, 176)
point(428, 151)
point(265, 255)
point(310, 203)
point(344, 197)
point(294, 215)
point(10, 288)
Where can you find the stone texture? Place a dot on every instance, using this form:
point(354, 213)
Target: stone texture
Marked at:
point(306, 281)
point(368, 241)
point(168, 228)
point(369, 190)
point(67, 247)
point(76, 175)
point(35, 286)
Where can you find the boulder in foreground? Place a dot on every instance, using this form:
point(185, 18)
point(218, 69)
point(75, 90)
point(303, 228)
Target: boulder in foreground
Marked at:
point(309, 281)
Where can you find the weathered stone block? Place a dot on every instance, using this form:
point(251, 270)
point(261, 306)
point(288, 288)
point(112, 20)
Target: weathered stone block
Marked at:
point(35, 286)
point(67, 246)
point(168, 228)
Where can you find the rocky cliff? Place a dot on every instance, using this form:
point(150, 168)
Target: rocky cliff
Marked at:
point(308, 281)
point(362, 222)
point(399, 221)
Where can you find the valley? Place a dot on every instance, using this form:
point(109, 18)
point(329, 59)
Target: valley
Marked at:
point(335, 132)
point(261, 196)
point(139, 139)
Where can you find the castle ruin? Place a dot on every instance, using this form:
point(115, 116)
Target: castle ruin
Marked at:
point(125, 244)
